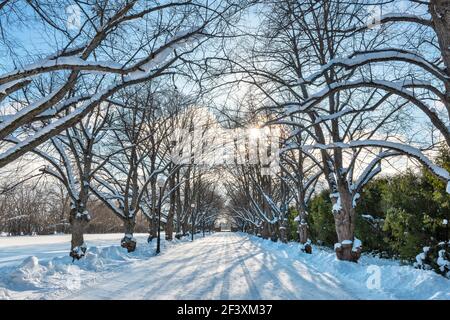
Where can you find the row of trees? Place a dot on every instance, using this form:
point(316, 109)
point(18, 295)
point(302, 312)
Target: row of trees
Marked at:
point(404, 216)
point(352, 90)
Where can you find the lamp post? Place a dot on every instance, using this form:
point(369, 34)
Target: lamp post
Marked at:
point(160, 182)
point(203, 226)
point(192, 220)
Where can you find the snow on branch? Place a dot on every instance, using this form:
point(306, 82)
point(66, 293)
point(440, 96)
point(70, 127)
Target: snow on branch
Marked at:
point(10, 123)
point(60, 63)
point(372, 169)
point(178, 41)
point(392, 17)
point(245, 216)
point(107, 200)
point(67, 165)
point(75, 60)
point(12, 86)
point(401, 88)
point(63, 169)
point(69, 119)
point(401, 148)
point(333, 116)
point(362, 58)
point(259, 211)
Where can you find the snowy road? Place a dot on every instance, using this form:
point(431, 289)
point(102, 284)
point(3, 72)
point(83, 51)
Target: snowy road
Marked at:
point(222, 266)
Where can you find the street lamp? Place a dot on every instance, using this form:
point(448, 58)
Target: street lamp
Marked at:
point(192, 220)
point(203, 225)
point(160, 182)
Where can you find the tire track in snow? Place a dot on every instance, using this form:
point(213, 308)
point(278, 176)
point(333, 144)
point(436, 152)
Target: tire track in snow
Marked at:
point(255, 294)
point(207, 245)
point(218, 280)
point(224, 291)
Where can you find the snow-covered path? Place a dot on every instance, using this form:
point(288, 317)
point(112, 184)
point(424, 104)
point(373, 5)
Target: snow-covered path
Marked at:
point(221, 266)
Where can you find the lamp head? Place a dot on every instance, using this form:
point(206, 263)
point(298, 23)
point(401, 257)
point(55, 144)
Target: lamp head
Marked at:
point(161, 181)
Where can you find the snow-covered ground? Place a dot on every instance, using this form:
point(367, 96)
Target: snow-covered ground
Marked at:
point(13, 250)
point(219, 266)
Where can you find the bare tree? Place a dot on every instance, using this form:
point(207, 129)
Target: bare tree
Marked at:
point(70, 160)
point(122, 183)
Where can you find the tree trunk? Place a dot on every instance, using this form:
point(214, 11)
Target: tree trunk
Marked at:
point(305, 243)
point(153, 226)
point(440, 13)
point(273, 229)
point(78, 223)
point(79, 218)
point(128, 241)
point(185, 226)
point(150, 228)
point(283, 232)
point(171, 214)
point(169, 227)
point(265, 230)
point(344, 219)
point(303, 234)
point(178, 201)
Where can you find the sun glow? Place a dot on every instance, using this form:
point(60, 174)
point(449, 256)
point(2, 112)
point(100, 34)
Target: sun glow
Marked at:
point(255, 133)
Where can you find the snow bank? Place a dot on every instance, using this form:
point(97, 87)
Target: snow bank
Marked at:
point(33, 278)
point(28, 274)
point(371, 277)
